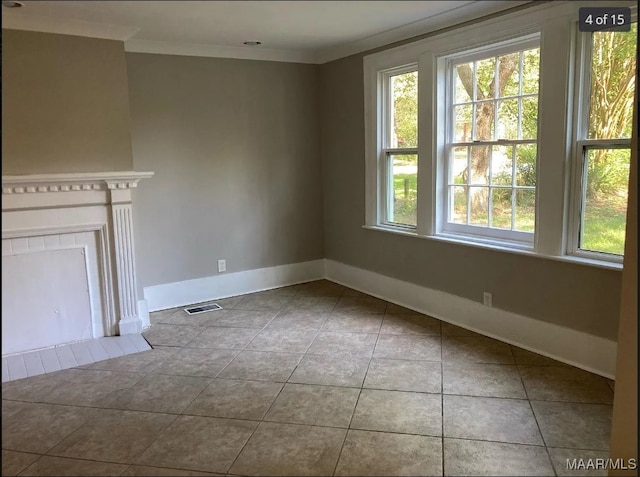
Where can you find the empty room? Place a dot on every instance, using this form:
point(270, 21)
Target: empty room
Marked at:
point(319, 238)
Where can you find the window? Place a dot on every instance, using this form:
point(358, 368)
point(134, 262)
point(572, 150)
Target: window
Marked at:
point(492, 141)
point(603, 146)
point(513, 133)
point(400, 149)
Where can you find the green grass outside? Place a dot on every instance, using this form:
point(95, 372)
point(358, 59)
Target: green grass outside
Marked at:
point(604, 226)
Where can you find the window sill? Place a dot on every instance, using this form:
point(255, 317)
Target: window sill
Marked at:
point(517, 249)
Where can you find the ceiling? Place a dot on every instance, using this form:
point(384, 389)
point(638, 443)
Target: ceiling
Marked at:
point(300, 31)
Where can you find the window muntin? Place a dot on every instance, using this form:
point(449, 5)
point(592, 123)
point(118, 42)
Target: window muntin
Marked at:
point(400, 147)
point(491, 154)
point(604, 146)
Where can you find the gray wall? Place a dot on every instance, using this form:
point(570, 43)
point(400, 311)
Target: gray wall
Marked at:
point(65, 104)
point(580, 297)
point(236, 152)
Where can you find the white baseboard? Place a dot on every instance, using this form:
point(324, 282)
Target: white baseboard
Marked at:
point(171, 295)
point(585, 351)
point(143, 314)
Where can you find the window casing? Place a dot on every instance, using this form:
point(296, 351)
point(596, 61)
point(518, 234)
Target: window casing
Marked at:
point(554, 28)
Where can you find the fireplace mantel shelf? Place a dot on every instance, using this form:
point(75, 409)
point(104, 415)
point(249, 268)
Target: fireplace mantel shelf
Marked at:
point(87, 181)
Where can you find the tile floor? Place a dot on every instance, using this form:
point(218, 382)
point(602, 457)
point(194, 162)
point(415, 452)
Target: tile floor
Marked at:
point(312, 379)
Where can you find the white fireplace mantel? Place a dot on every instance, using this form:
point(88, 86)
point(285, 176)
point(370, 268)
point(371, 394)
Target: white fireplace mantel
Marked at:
point(39, 209)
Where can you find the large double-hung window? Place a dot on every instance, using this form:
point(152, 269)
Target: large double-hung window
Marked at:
point(491, 152)
point(513, 133)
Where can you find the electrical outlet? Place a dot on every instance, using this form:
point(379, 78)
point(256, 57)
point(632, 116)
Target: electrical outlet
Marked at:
point(222, 265)
point(486, 299)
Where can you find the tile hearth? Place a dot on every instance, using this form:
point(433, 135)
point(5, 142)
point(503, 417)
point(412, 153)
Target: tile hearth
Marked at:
point(311, 379)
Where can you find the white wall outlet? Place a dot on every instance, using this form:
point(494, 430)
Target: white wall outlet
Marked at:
point(486, 299)
point(222, 265)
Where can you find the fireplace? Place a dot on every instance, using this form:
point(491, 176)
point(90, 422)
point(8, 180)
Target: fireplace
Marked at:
point(68, 263)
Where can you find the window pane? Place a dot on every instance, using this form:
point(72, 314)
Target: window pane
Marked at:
point(480, 157)
point(484, 121)
point(458, 205)
point(507, 119)
point(485, 71)
point(613, 67)
point(526, 164)
point(509, 67)
point(530, 117)
point(404, 95)
point(458, 169)
point(463, 123)
point(525, 210)
point(501, 208)
point(530, 70)
point(605, 206)
point(479, 202)
point(502, 165)
point(405, 189)
point(464, 82)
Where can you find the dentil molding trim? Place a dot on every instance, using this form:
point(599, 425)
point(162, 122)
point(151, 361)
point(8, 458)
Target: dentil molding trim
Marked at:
point(33, 183)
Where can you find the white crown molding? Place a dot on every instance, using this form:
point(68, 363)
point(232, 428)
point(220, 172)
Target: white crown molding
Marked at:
point(215, 51)
point(33, 183)
point(44, 24)
point(463, 13)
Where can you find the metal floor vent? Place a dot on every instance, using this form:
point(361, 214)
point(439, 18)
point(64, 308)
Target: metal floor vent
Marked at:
point(194, 310)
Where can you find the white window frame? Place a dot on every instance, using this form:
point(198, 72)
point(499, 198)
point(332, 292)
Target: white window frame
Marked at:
point(556, 23)
point(581, 145)
point(386, 151)
point(480, 232)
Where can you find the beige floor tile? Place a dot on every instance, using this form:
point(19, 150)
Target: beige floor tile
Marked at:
point(144, 362)
point(15, 462)
point(452, 330)
point(235, 399)
point(206, 444)
point(160, 393)
point(262, 366)
point(522, 356)
point(181, 317)
point(360, 304)
point(244, 319)
point(263, 301)
point(37, 428)
point(37, 388)
point(343, 344)
point(385, 454)
point(353, 322)
point(288, 449)
point(574, 425)
point(404, 375)
point(171, 335)
point(223, 338)
point(490, 380)
point(146, 471)
point(408, 347)
point(57, 466)
point(409, 324)
point(229, 302)
point(9, 408)
point(114, 436)
point(315, 304)
point(314, 405)
point(398, 411)
point(204, 362)
point(92, 387)
point(475, 350)
point(298, 320)
point(162, 315)
point(320, 288)
point(393, 309)
point(464, 457)
point(569, 462)
point(287, 341)
point(491, 419)
point(331, 370)
point(564, 383)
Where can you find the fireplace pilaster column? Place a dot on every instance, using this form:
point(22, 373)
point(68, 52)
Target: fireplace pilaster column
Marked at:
point(124, 256)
